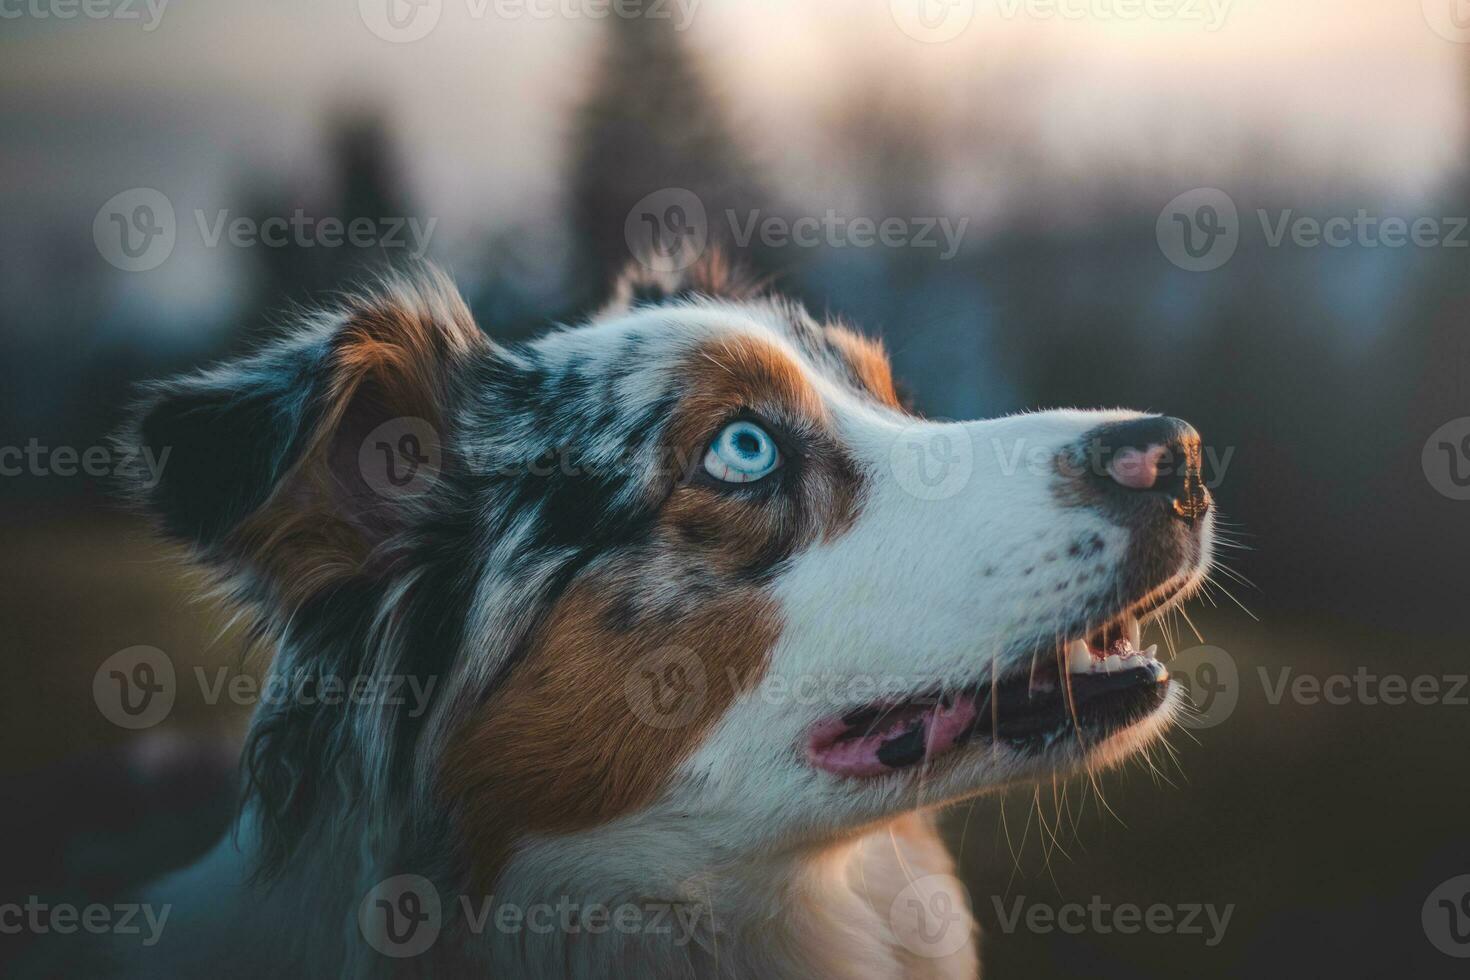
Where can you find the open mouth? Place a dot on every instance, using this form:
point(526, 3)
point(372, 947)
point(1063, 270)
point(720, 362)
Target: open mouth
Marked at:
point(1109, 684)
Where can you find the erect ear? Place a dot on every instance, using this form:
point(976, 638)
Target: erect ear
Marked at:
point(295, 464)
point(712, 274)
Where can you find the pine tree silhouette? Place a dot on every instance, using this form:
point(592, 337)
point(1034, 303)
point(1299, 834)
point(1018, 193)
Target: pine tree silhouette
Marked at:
point(650, 123)
point(363, 181)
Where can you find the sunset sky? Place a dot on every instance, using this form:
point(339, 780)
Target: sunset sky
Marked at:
point(1320, 91)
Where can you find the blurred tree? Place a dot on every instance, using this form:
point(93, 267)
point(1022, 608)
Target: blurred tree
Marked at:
point(650, 123)
point(363, 180)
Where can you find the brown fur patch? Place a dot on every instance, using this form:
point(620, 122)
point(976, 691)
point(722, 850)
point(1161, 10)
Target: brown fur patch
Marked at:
point(389, 358)
point(822, 484)
point(741, 371)
point(869, 363)
point(570, 741)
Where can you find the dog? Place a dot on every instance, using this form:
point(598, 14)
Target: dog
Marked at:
point(710, 626)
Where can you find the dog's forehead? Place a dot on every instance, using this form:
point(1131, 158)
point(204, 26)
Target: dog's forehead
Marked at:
point(635, 348)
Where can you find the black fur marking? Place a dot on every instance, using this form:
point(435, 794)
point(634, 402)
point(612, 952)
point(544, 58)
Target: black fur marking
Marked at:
point(230, 435)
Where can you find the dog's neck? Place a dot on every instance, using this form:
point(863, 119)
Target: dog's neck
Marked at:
point(620, 902)
point(848, 910)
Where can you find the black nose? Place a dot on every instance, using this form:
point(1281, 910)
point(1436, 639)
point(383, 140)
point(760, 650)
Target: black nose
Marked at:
point(1147, 460)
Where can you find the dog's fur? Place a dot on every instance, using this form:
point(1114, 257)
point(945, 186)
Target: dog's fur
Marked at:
point(561, 547)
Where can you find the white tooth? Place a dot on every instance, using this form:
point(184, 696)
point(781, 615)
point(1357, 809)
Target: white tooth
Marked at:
point(1112, 663)
point(1135, 632)
point(1149, 653)
point(1079, 660)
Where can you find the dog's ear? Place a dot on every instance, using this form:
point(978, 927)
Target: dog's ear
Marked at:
point(295, 464)
point(713, 274)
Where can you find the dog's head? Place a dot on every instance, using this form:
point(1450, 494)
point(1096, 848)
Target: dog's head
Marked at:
point(692, 559)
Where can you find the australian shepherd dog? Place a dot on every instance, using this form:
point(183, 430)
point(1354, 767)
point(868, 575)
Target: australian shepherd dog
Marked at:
point(704, 625)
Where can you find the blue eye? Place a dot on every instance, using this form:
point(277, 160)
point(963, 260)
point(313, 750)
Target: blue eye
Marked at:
point(743, 452)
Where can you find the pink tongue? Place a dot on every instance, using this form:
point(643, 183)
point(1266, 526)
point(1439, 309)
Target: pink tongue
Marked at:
point(858, 756)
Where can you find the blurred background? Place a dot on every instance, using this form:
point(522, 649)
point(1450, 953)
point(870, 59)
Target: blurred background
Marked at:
point(1130, 193)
